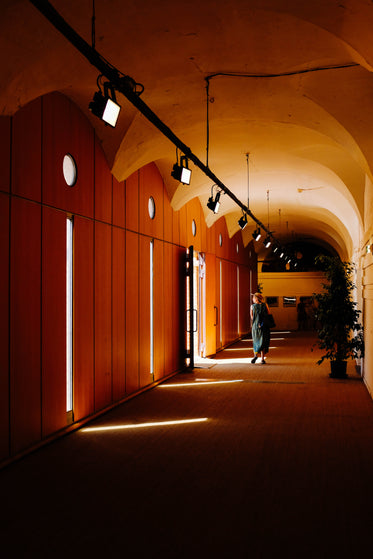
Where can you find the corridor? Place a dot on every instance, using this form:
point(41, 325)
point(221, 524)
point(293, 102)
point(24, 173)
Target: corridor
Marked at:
point(273, 460)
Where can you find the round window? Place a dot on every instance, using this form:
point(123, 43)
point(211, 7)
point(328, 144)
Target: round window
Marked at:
point(69, 170)
point(220, 239)
point(151, 207)
point(194, 228)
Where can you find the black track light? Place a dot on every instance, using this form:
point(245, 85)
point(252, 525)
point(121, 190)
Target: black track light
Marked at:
point(267, 242)
point(105, 106)
point(242, 222)
point(257, 234)
point(212, 204)
point(181, 172)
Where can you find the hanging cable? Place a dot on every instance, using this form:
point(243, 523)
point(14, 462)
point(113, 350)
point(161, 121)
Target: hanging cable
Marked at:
point(93, 25)
point(282, 74)
point(248, 180)
point(207, 122)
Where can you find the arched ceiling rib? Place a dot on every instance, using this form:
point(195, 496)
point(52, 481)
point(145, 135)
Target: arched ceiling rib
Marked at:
point(308, 135)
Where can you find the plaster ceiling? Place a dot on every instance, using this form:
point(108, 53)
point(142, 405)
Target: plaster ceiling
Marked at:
point(307, 133)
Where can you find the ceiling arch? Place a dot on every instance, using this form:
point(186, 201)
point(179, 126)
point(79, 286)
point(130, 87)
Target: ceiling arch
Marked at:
point(308, 134)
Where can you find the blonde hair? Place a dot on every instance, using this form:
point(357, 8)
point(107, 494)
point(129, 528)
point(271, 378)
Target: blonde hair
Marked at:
point(259, 296)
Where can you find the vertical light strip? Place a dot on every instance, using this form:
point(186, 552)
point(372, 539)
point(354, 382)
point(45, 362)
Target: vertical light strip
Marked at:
point(238, 300)
point(152, 307)
point(69, 314)
point(221, 303)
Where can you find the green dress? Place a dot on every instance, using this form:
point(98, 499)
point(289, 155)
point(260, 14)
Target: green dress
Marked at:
point(260, 334)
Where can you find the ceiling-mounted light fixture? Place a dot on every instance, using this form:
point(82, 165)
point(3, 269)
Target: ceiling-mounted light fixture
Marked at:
point(181, 172)
point(212, 204)
point(104, 105)
point(282, 254)
point(242, 222)
point(257, 234)
point(267, 242)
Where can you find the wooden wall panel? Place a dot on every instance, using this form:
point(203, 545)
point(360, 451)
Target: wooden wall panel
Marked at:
point(211, 239)
point(132, 312)
point(25, 322)
point(193, 212)
point(103, 186)
point(83, 372)
point(132, 202)
point(119, 203)
point(168, 221)
point(168, 305)
point(4, 326)
point(178, 308)
point(119, 309)
point(218, 269)
point(211, 304)
point(53, 321)
point(159, 310)
point(229, 311)
point(151, 184)
point(245, 300)
point(26, 151)
point(183, 226)
point(222, 251)
point(5, 141)
point(176, 228)
point(66, 130)
point(103, 372)
point(144, 311)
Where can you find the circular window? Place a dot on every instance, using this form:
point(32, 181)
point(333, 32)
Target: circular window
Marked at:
point(220, 239)
point(194, 228)
point(151, 207)
point(69, 170)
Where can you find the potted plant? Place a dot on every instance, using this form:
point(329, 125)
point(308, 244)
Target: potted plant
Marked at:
point(340, 334)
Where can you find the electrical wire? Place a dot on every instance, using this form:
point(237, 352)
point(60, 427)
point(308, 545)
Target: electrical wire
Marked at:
point(281, 74)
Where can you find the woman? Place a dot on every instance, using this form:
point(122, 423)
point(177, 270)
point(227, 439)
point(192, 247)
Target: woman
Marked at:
point(259, 329)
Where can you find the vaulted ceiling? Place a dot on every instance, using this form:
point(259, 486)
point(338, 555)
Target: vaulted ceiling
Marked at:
point(290, 84)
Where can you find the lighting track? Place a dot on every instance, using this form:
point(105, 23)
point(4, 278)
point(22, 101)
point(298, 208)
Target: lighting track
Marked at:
point(124, 84)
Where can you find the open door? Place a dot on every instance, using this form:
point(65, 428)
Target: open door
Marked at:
point(212, 310)
point(190, 315)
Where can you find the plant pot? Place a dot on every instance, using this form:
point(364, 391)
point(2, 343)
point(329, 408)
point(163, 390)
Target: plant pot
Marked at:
point(338, 369)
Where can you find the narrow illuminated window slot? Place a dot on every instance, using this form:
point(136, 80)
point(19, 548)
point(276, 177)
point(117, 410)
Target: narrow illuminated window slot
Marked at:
point(238, 300)
point(221, 303)
point(151, 307)
point(69, 314)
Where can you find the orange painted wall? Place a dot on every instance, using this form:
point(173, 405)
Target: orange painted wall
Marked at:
point(4, 326)
point(5, 146)
point(83, 312)
point(119, 313)
point(103, 370)
point(53, 320)
point(25, 324)
point(112, 235)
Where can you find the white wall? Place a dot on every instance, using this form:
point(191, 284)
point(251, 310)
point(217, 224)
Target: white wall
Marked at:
point(289, 284)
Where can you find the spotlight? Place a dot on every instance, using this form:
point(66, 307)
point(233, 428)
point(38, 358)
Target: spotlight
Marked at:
point(267, 242)
point(275, 248)
point(257, 234)
point(181, 172)
point(282, 254)
point(242, 222)
point(105, 105)
point(212, 204)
